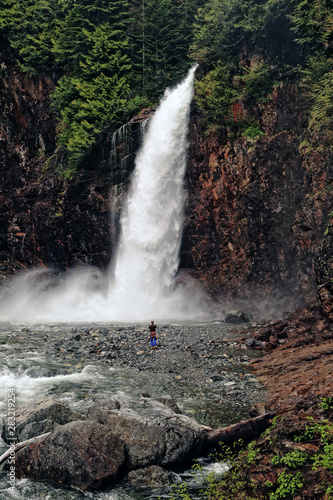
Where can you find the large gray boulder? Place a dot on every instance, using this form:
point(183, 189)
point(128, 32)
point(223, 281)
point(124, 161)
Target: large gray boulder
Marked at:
point(236, 317)
point(37, 417)
point(81, 454)
point(153, 433)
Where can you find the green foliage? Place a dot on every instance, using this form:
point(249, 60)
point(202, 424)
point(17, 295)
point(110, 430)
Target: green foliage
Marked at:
point(252, 453)
point(93, 99)
point(288, 484)
point(253, 132)
point(313, 23)
point(215, 92)
point(30, 26)
point(225, 29)
point(322, 431)
point(294, 459)
point(112, 55)
point(256, 82)
point(217, 31)
point(326, 403)
point(322, 94)
point(324, 459)
point(115, 56)
point(159, 49)
point(329, 492)
point(317, 83)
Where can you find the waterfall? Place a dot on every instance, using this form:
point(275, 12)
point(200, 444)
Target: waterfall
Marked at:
point(148, 253)
point(140, 282)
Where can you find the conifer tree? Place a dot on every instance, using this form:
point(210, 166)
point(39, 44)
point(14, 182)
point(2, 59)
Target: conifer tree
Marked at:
point(97, 94)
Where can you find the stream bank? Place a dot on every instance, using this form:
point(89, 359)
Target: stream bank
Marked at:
point(292, 459)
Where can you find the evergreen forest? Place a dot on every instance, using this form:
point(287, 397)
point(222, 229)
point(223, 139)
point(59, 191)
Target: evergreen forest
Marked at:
point(112, 58)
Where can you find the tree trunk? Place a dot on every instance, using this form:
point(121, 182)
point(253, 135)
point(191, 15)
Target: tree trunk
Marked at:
point(18, 446)
point(246, 429)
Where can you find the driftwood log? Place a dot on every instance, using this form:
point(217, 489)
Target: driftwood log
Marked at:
point(22, 444)
point(245, 430)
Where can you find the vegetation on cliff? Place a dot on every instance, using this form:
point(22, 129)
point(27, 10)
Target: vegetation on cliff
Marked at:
point(245, 48)
point(113, 58)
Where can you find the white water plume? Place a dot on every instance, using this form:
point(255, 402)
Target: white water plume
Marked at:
point(27, 387)
point(140, 283)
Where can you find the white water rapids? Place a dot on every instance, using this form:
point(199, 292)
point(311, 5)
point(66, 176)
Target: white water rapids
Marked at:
point(140, 282)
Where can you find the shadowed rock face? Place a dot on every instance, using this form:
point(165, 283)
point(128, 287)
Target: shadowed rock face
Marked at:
point(324, 272)
point(78, 454)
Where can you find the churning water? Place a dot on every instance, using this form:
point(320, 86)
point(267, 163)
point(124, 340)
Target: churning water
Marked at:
point(140, 282)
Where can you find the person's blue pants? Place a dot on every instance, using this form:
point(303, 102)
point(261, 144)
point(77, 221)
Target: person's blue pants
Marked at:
point(153, 341)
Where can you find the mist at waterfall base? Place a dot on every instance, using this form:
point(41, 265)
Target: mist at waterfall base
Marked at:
point(140, 283)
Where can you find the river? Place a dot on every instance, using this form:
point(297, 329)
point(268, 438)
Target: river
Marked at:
point(206, 375)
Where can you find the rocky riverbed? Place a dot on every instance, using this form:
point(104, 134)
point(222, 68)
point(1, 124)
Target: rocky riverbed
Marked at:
point(204, 367)
point(203, 363)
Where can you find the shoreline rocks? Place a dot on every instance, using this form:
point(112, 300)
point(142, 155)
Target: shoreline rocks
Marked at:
point(39, 416)
point(236, 317)
point(152, 432)
point(80, 454)
point(120, 434)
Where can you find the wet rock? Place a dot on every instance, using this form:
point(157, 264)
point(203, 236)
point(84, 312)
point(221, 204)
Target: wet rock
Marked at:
point(324, 272)
point(236, 317)
point(152, 432)
point(150, 477)
point(170, 403)
point(257, 410)
point(39, 416)
point(80, 454)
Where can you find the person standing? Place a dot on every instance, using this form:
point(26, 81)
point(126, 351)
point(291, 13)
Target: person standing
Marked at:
point(152, 329)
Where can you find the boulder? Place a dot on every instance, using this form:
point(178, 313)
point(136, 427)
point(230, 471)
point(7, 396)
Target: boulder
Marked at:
point(153, 433)
point(151, 477)
point(37, 417)
point(79, 454)
point(236, 317)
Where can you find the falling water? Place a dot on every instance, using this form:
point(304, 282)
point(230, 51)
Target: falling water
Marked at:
point(148, 254)
point(140, 282)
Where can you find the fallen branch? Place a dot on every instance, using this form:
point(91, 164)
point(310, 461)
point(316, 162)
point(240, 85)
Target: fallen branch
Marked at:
point(22, 265)
point(42, 263)
point(18, 446)
point(246, 429)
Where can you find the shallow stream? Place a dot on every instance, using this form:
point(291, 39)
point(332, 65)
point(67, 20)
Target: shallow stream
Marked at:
point(206, 375)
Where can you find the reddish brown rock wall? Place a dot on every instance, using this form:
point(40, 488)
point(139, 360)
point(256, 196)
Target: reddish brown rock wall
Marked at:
point(256, 211)
point(45, 219)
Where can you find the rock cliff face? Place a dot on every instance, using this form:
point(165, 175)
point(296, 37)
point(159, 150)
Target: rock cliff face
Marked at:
point(255, 212)
point(45, 219)
point(324, 272)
